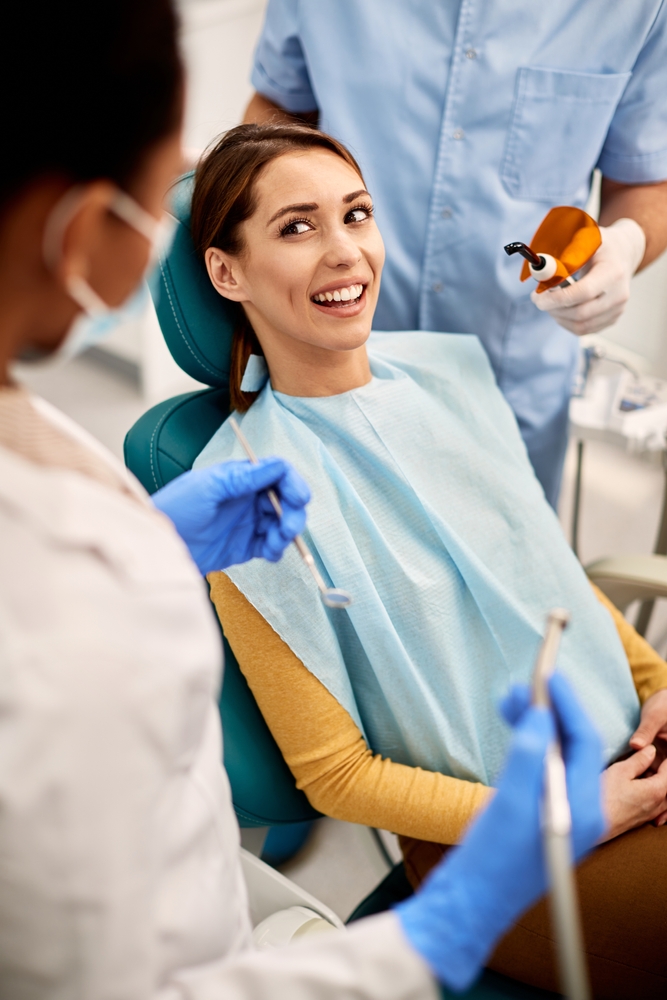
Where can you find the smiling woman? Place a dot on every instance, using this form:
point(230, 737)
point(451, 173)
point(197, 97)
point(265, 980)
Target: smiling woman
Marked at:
point(426, 509)
point(308, 290)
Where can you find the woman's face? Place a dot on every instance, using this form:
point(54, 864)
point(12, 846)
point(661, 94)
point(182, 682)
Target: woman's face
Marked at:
point(313, 255)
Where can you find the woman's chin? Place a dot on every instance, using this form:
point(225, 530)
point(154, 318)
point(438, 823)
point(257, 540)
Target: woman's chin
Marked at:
point(344, 336)
point(343, 323)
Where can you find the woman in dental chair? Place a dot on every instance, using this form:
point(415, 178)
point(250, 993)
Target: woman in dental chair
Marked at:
point(425, 508)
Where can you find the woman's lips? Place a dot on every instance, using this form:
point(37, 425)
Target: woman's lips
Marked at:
point(342, 309)
point(340, 293)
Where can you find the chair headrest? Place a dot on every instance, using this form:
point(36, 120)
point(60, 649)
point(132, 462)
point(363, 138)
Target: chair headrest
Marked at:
point(197, 323)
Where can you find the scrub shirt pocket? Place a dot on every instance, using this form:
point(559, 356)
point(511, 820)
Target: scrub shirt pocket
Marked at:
point(557, 129)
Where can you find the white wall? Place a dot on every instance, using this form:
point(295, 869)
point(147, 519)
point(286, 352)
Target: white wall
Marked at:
point(218, 38)
point(643, 326)
point(642, 329)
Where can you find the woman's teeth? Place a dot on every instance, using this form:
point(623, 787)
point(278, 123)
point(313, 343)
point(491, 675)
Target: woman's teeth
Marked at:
point(349, 294)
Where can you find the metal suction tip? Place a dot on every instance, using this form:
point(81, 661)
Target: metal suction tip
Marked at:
point(336, 598)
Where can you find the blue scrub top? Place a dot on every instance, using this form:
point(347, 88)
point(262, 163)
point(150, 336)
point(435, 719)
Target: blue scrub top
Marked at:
point(470, 120)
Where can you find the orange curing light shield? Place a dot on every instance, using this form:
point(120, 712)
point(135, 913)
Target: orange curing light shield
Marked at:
point(570, 236)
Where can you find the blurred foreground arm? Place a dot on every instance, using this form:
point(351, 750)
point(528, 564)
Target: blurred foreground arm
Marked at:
point(448, 928)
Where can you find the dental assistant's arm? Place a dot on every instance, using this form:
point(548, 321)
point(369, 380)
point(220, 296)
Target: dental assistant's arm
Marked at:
point(261, 110)
point(633, 226)
point(468, 902)
point(373, 960)
point(646, 204)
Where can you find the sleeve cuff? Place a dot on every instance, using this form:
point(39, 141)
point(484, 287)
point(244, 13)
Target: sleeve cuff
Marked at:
point(648, 168)
point(295, 101)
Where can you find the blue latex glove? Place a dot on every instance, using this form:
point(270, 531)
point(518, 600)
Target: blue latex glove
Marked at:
point(478, 892)
point(224, 516)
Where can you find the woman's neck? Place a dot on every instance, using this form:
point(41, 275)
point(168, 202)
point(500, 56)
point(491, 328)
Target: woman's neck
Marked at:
point(306, 370)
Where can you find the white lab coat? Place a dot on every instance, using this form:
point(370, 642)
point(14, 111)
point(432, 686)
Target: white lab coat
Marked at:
point(119, 849)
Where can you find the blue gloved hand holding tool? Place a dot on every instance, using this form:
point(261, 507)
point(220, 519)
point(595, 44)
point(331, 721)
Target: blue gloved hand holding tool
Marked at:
point(224, 516)
point(478, 892)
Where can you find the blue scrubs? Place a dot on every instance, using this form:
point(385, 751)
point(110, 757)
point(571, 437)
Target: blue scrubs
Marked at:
point(470, 120)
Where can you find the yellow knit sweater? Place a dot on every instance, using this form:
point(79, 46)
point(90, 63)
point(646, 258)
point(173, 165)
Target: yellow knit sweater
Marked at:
point(326, 751)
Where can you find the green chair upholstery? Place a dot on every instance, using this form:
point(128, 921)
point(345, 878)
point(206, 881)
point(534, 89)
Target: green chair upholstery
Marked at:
point(164, 442)
point(198, 327)
point(197, 323)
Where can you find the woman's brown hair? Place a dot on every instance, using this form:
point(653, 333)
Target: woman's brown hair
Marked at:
point(223, 199)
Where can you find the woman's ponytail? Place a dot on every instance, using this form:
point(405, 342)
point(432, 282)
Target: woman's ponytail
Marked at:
point(244, 344)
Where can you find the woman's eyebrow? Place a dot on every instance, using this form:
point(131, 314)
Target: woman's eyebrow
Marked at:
point(312, 207)
point(355, 194)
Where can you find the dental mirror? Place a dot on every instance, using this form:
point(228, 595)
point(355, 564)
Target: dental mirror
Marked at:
point(331, 597)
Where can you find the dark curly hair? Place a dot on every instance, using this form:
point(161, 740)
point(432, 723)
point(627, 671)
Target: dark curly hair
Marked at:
point(87, 88)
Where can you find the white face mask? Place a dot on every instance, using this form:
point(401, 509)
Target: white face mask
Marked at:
point(99, 319)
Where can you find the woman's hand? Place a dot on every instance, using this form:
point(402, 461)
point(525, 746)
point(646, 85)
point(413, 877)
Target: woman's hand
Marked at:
point(631, 800)
point(652, 727)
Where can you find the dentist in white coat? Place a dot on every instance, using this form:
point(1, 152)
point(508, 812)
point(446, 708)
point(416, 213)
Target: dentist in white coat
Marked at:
point(119, 850)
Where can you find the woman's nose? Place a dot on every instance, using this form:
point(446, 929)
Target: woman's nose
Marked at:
point(342, 250)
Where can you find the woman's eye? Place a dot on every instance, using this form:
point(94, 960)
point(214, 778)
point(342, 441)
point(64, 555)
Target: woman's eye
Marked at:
point(295, 228)
point(358, 215)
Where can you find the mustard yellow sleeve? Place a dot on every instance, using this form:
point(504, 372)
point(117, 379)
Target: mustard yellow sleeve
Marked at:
point(649, 670)
point(325, 749)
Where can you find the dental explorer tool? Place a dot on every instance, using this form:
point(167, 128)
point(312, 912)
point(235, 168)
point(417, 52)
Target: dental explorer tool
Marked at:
point(557, 830)
point(332, 597)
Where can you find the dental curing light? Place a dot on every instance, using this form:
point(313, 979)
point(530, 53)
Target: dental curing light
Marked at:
point(565, 240)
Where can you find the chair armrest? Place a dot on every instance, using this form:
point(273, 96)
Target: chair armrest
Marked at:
point(625, 579)
point(270, 891)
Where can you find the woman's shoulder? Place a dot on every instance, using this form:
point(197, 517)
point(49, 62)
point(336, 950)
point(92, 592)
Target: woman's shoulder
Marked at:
point(453, 355)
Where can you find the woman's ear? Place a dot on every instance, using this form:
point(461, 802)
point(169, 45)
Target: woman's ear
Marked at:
point(226, 275)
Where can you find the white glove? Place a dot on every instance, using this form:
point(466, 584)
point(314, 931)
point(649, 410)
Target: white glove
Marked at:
point(599, 298)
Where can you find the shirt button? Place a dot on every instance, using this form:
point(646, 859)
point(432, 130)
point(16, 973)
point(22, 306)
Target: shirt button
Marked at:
point(471, 54)
point(458, 133)
point(437, 286)
point(446, 213)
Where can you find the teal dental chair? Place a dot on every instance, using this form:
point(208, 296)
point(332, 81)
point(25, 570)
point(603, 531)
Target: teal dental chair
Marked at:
point(164, 443)
point(197, 325)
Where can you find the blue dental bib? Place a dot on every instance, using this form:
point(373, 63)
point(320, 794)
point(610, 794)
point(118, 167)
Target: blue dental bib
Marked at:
point(426, 509)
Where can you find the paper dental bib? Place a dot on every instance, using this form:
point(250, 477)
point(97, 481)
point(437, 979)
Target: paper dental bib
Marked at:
point(426, 510)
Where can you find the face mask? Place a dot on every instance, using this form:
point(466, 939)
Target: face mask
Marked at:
point(90, 330)
point(99, 320)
